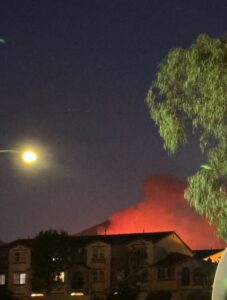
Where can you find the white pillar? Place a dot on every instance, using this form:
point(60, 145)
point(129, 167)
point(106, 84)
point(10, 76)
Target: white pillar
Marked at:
point(220, 279)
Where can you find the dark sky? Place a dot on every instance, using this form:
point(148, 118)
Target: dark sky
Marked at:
point(73, 78)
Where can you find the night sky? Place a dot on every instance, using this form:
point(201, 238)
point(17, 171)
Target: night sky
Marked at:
point(73, 79)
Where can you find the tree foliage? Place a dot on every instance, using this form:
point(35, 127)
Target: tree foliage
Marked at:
point(49, 256)
point(130, 282)
point(5, 295)
point(190, 91)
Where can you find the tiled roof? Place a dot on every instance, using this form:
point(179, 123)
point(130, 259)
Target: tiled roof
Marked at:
point(110, 239)
point(123, 238)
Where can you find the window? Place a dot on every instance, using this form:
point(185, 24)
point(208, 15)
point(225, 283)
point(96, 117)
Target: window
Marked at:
point(197, 277)
point(170, 273)
point(59, 277)
point(144, 276)
point(161, 273)
point(19, 257)
point(98, 253)
point(166, 273)
point(137, 257)
point(80, 251)
point(77, 282)
point(185, 276)
point(2, 279)
point(98, 275)
point(19, 278)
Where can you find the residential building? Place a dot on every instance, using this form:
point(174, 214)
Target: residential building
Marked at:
point(95, 267)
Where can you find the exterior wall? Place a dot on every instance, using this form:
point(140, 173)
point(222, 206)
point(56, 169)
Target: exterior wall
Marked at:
point(141, 267)
point(99, 262)
point(19, 263)
point(173, 243)
point(175, 285)
point(145, 245)
point(119, 264)
point(4, 267)
point(157, 284)
point(191, 265)
point(78, 280)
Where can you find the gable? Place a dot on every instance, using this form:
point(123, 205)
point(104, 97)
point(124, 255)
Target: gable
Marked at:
point(173, 243)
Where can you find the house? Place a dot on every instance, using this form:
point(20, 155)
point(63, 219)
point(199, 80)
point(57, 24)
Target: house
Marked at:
point(98, 267)
point(213, 255)
point(181, 275)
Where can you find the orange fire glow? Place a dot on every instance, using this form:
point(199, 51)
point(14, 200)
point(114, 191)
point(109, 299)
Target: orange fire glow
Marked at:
point(163, 208)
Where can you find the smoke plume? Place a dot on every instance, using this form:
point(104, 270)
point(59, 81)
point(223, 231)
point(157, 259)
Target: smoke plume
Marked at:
point(163, 208)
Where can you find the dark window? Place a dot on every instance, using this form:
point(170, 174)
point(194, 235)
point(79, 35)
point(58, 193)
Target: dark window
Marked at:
point(185, 279)
point(197, 277)
point(161, 274)
point(98, 253)
point(166, 273)
point(19, 257)
point(98, 275)
point(170, 273)
point(77, 282)
point(80, 251)
point(144, 276)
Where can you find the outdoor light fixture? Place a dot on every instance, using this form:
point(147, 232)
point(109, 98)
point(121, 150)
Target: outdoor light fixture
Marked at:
point(33, 295)
point(76, 294)
point(29, 156)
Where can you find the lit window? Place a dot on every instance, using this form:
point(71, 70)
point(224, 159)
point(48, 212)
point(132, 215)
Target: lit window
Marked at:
point(2, 279)
point(19, 278)
point(59, 277)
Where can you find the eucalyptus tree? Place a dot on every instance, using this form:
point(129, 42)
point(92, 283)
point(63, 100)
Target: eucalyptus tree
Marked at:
point(189, 93)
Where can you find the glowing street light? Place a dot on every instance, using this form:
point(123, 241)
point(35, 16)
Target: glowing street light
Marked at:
point(28, 156)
